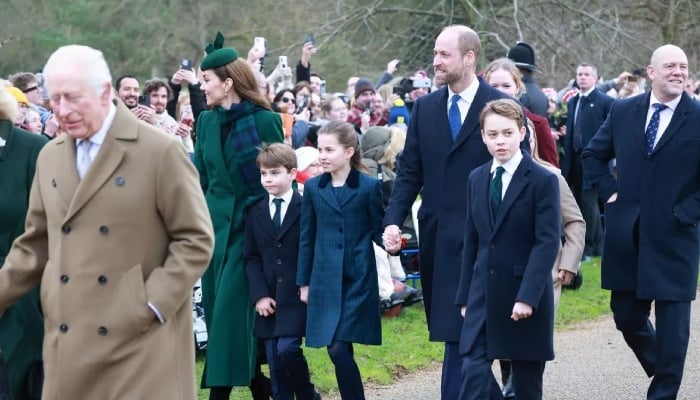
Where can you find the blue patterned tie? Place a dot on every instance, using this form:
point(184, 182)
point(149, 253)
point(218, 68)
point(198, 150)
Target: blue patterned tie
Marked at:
point(496, 188)
point(653, 127)
point(277, 218)
point(455, 117)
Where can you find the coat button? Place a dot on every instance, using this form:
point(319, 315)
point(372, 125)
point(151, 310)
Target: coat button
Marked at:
point(491, 271)
point(102, 280)
point(279, 244)
point(65, 229)
point(102, 331)
point(340, 230)
point(63, 328)
point(279, 280)
point(104, 230)
point(279, 262)
point(64, 279)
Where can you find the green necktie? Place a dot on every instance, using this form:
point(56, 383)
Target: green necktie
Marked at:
point(496, 188)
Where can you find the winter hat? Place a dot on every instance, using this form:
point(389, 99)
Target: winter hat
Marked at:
point(306, 156)
point(399, 113)
point(375, 141)
point(363, 85)
point(523, 55)
point(20, 97)
point(217, 54)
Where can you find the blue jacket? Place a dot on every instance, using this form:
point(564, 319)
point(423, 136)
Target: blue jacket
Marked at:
point(336, 259)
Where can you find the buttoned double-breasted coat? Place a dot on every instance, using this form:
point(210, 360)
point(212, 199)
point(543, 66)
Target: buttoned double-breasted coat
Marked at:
point(134, 231)
point(336, 259)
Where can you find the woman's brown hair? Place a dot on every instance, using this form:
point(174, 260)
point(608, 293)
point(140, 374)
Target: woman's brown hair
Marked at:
point(347, 137)
point(244, 83)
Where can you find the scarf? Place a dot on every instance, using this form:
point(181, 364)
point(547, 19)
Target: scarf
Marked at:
point(244, 139)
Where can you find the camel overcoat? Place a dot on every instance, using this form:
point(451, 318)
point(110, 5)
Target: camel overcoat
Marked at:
point(134, 231)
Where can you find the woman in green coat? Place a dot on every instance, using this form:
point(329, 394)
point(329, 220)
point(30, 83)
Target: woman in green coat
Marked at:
point(21, 326)
point(228, 138)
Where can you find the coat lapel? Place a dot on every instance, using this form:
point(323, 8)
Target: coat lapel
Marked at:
point(482, 184)
point(639, 121)
point(677, 121)
point(517, 184)
point(292, 214)
point(108, 158)
point(471, 122)
point(325, 190)
point(66, 179)
point(215, 150)
point(442, 124)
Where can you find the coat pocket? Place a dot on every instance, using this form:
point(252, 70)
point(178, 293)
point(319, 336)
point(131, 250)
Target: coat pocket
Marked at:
point(140, 314)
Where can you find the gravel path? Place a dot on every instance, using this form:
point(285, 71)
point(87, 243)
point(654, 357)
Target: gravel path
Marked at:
point(592, 362)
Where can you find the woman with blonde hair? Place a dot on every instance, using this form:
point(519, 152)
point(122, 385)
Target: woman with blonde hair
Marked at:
point(228, 138)
point(21, 326)
point(502, 74)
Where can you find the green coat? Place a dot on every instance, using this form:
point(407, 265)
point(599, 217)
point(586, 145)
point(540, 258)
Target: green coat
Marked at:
point(21, 326)
point(229, 314)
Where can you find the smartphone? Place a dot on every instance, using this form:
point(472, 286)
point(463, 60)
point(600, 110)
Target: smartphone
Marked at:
point(260, 43)
point(368, 106)
point(309, 38)
point(186, 63)
point(283, 62)
point(422, 83)
point(145, 100)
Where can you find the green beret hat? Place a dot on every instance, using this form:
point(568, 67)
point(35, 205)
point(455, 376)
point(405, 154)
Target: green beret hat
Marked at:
point(217, 55)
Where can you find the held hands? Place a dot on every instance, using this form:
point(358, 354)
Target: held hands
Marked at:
point(521, 311)
point(304, 294)
point(566, 277)
point(391, 239)
point(265, 306)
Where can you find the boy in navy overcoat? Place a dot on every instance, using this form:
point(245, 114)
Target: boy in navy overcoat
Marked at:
point(271, 249)
point(511, 242)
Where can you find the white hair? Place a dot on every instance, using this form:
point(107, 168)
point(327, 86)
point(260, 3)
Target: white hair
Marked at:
point(90, 62)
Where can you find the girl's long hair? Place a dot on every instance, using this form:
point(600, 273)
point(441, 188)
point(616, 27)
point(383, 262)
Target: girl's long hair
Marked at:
point(347, 137)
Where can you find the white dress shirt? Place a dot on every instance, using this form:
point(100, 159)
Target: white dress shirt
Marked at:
point(286, 199)
point(466, 98)
point(664, 116)
point(510, 166)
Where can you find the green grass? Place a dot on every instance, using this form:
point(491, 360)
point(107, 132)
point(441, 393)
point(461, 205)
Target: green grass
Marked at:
point(406, 348)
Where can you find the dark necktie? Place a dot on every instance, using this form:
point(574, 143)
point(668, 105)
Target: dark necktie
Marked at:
point(277, 218)
point(578, 136)
point(653, 127)
point(455, 117)
point(496, 188)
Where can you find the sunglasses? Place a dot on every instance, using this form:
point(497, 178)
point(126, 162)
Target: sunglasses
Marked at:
point(30, 89)
point(288, 100)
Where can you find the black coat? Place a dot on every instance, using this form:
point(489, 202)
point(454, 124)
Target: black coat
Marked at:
point(271, 266)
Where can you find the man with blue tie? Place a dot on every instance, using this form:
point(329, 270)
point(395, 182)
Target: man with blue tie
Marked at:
point(443, 145)
point(652, 209)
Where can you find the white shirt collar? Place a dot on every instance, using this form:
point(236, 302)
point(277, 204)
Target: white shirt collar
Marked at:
point(100, 135)
point(467, 94)
point(585, 94)
point(287, 197)
point(671, 104)
point(510, 165)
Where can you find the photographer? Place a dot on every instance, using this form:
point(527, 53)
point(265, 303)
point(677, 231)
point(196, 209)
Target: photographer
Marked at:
point(361, 112)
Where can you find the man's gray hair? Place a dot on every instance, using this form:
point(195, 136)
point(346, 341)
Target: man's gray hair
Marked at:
point(90, 62)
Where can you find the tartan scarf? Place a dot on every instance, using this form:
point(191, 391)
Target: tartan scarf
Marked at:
point(243, 137)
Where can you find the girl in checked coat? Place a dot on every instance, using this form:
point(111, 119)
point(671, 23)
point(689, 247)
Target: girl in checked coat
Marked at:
point(341, 215)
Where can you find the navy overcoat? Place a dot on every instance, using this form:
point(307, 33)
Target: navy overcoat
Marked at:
point(437, 168)
point(336, 259)
point(508, 257)
point(658, 194)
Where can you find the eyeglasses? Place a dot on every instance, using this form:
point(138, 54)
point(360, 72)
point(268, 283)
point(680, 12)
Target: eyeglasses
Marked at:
point(30, 89)
point(288, 100)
